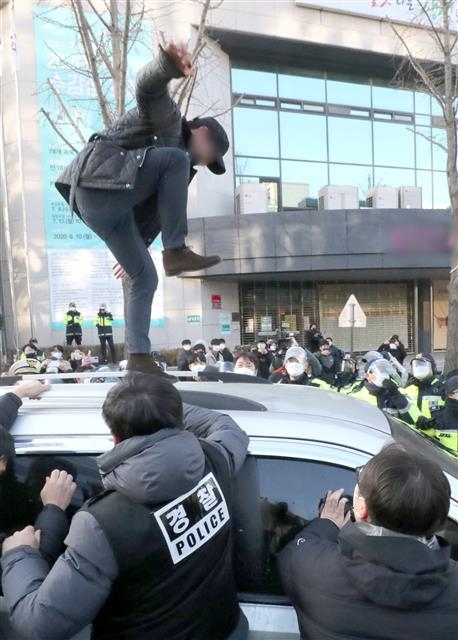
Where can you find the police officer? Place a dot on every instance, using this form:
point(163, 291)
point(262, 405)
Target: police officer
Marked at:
point(380, 387)
point(104, 323)
point(348, 374)
point(445, 419)
point(425, 386)
point(73, 321)
point(295, 370)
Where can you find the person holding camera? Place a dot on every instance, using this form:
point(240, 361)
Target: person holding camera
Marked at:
point(394, 347)
point(386, 574)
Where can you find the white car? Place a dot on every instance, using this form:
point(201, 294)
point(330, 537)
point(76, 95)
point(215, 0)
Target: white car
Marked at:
point(303, 441)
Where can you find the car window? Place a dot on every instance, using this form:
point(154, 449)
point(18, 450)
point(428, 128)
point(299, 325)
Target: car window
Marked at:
point(20, 487)
point(273, 499)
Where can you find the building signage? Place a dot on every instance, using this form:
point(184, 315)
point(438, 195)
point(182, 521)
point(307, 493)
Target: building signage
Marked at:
point(216, 301)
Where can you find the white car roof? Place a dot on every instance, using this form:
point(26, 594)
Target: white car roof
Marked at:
point(271, 411)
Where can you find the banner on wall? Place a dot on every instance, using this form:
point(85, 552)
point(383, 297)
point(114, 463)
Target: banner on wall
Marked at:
point(396, 10)
point(440, 314)
point(85, 277)
point(80, 267)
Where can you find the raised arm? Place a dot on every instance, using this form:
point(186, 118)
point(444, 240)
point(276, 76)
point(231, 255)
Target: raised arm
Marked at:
point(219, 429)
point(153, 99)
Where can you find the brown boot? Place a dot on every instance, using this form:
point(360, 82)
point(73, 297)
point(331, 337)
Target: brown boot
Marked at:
point(183, 259)
point(144, 363)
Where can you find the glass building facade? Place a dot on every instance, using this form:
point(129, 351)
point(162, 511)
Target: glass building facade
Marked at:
point(298, 133)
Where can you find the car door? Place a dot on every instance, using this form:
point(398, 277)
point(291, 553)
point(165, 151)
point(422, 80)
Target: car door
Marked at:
point(276, 493)
point(20, 493)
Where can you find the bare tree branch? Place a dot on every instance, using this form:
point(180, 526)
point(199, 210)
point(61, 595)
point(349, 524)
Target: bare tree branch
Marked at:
point(84, 30)
point(429, 138)
point(57, 130)
point(417, 66)
point(64, 108)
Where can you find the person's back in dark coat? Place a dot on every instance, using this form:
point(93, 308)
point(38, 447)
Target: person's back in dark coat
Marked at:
point(385, 576)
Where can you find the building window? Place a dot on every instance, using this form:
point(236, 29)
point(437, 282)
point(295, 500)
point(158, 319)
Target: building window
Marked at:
point(315, 130)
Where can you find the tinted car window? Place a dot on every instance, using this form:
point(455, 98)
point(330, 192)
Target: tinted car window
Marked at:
point(274, 499)
point(20, 488)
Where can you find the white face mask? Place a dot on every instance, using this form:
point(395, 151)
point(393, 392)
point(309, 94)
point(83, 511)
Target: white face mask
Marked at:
point(272, 347)
point(421, 370)
point(379, 377)
point(187, 347)
point(294, 369)
point(56, 354)
point(245, 371)
point(215, 347)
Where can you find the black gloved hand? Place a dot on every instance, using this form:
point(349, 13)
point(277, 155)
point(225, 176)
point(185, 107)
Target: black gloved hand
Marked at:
point(396, 398)
point(424, 423)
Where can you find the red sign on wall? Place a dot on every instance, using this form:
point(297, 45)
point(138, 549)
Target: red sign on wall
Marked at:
point(216, 301)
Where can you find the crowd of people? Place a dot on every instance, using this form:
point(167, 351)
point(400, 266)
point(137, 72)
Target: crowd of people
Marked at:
point(151, 555)
point(418, 395)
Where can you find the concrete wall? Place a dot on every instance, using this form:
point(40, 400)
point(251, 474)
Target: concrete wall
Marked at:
point(334, 241)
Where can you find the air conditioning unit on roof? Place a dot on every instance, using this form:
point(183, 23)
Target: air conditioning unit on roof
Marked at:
point(338, 197)
point(382, 198)
point(251, 197)
point(410, 197)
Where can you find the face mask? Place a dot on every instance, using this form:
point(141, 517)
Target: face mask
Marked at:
point(272, 347)
point(187, 347)
point(245, 371)
point(222, 347)
point(215, 347)
point(56, 354)
point(77, 356)
point(421, 370)
point(378, 377)
point(294, 369)
point(454, 395)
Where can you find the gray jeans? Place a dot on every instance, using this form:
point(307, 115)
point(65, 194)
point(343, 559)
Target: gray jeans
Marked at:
point(162, 185)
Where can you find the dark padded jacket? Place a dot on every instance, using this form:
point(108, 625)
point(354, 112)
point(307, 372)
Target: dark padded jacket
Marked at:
point(112, 158)
point(159, 468)
point(348, 585)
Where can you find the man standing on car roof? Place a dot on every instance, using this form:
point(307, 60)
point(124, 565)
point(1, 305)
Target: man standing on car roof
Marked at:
point(130, 183)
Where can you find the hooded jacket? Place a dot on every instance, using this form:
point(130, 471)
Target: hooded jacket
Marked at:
point(146, 470)
point(349, 585)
